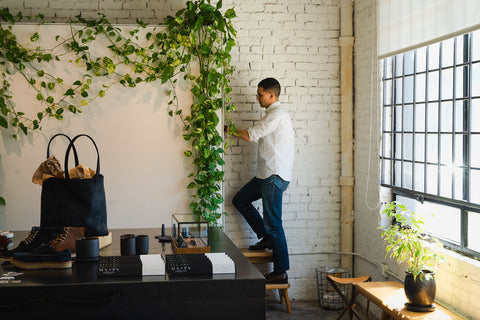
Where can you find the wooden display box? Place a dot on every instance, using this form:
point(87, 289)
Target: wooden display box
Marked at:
point(199, 248)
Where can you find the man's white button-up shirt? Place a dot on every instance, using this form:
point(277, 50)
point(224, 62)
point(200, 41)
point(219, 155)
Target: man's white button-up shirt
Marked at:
point(276, 143)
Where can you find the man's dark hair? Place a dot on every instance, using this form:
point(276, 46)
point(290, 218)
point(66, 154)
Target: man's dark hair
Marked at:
point(270, 84)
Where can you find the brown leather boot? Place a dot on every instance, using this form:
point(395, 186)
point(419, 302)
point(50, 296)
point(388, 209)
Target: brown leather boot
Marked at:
point(67, 238)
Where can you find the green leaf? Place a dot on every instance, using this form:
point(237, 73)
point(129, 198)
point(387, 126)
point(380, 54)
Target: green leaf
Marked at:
point(191, 185)
point(230, 14)
point(69, 92)
point(34, 37)
point(3, 122)
point(198, 24)
point(2, 201)
point(39, 96)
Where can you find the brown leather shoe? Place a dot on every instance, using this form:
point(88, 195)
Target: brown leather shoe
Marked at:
point(276, 277)
point(68, 238)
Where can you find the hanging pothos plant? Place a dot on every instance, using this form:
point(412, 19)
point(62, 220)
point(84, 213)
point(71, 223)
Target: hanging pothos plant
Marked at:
point(200, 33)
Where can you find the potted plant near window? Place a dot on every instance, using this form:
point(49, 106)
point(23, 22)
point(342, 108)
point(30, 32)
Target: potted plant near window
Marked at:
point(407, 242)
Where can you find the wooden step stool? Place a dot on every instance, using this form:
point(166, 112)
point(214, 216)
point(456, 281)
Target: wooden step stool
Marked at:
point(266, 256)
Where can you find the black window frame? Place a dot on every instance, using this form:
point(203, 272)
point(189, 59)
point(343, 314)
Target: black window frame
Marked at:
point(394, 132)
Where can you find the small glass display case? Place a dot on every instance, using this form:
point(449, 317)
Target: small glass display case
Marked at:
point(189, 233)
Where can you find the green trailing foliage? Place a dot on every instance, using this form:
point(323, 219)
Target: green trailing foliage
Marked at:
point(199, 33)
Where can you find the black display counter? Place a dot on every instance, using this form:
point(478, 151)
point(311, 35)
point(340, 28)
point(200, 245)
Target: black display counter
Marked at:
point(77, 293)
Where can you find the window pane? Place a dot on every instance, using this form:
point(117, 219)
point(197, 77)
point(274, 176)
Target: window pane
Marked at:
point(408, 90)
point(447, 52)
point(433, 86)
point(475, 150)
point(388, 66)
point(420, 147)
point(421, 59)
point(459, 140)
point(460, 111)
point(462, 52)
point(398, 118)
point(432, 117)
point(408, 62)
point(473, 234)
point(387, 172)
point(408, 117)
point(387, 119)
point(458, 181)
point(446, 174)
point(397, 172)
point(418, 177)
point(446, 117)
point(474, 186)
point(447, 84)
point(446, 149)
point(476, 79)
point(432, 148)
point(387, 92)
point(420, 87)
point(476, 45)
point(420, 118)
point(398, 146)
point(433, 56)
point(407, 175)
point(387, 145)
point(398, 91)
point(407, 146)
point(442, 221)
point(398, 64)
point(432, 181)
point(461, 84)
point(475, 115)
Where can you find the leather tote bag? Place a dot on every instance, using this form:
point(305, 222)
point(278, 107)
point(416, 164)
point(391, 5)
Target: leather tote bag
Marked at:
point(67, 202)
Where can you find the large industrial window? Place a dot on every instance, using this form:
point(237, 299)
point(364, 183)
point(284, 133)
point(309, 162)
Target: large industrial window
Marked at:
point(430, 153)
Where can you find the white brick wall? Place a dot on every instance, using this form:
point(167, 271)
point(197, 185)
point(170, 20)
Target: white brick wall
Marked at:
point(296, 42)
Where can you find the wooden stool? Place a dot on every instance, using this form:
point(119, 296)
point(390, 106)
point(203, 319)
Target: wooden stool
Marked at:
point(282, 292)
point(266, 256)
point(349, 305)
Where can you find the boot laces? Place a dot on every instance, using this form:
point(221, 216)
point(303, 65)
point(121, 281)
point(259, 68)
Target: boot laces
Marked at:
point(60, 238)
point(31, 235)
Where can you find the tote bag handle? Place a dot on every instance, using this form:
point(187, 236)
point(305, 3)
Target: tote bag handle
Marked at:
point(72, 145)
point(70, 140)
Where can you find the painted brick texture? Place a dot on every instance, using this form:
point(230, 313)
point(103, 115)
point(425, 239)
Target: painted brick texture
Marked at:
point(297, 43)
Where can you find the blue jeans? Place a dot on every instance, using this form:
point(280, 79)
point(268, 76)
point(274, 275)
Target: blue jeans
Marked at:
point(270, 190)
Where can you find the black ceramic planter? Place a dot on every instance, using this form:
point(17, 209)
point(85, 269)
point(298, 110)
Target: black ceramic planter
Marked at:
point(420, 292)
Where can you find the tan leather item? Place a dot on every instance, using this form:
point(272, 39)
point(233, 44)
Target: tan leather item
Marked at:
point(67, 238)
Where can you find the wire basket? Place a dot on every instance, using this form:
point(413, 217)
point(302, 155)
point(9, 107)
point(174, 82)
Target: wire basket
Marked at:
point(327, 296)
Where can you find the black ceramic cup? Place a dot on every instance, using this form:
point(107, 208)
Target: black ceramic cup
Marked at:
point(87, 249)
point(128, 245)
point(141, 242)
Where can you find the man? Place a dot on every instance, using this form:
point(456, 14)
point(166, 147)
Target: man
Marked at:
point(276, 152)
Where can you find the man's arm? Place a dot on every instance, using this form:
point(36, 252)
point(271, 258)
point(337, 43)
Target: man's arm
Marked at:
point(239, 133)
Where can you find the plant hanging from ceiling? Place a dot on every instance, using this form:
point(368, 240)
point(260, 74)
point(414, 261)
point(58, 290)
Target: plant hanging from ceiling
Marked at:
point(200, 33)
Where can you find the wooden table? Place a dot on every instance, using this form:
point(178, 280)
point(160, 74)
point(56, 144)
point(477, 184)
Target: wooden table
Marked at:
point(390, 297)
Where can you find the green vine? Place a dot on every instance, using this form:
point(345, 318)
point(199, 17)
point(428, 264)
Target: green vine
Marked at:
point(200, 33)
